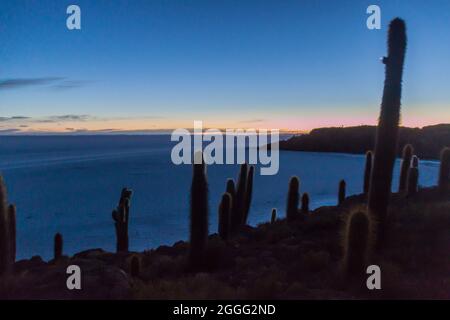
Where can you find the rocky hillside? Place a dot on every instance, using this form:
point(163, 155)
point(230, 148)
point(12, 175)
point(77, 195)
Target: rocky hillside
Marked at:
point(427, 141)
point(299, 259)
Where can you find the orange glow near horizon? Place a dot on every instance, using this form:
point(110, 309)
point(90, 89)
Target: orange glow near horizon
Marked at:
point(415, 117)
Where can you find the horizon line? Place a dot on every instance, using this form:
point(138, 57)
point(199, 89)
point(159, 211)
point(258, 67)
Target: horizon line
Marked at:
point(168, 131)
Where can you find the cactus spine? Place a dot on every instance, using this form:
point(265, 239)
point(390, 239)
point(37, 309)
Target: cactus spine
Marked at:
point(367, 171)
point(58, 248)
point(305, 203)
point(387, 132)
point(121, 217)
point(239, 204)
point(224, 215)
point(406, 164)
point(356, 244)
point(293, 199)
point(248, 193)
point(198, 214)
point(274, 216)
point(444, 172)
point(341, 193)
point(7, 231)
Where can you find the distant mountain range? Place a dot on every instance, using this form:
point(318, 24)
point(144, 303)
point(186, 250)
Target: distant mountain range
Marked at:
point(427, 141)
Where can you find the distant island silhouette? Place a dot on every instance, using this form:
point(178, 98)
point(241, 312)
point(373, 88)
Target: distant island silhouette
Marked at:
point(428, 141)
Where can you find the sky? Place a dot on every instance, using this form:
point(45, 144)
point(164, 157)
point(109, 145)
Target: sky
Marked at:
point(139, 66)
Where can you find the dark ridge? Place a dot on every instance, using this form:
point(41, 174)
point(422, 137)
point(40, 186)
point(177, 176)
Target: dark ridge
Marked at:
point(427, 141)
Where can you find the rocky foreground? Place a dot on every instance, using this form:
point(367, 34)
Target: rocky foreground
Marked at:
point(284, 260)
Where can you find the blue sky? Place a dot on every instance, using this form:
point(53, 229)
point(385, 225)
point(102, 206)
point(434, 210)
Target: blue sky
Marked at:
point(139, 65)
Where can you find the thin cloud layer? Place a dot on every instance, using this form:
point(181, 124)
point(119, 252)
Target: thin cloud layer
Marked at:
point(56, 83)
point(14, 118)
point(71, 117)
point(17, 83)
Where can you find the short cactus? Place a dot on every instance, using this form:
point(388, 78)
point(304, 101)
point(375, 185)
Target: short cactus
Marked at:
point(356, 244)
point(274, 216)
point(367, 171)
point(444, 172)
point(248, 193)
point(406, 164)
point(58, 246)
point(305, 203)
point(292, 199)
point(121, 217)
point(413, 180)
point(224, 215)
point(342, 192)
point(231, 190)
point(199, 215)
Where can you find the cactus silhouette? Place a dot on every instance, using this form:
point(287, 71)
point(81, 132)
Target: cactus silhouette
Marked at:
point(387, 131)
point(367, 171)
point(248, 193)
point(7, 231)
point(121, 217)
point(198, 214)
point(341, 193)
point(239, 204)
point(58, 246)
point(415, 162)
point(292, 199)
point(231, 190)
point(412, 182)
point(305, 203)
point(274, 216)
point(224, 215)
point(135, 267)
point(406, 164)
point(444, 172)
point(356, 244)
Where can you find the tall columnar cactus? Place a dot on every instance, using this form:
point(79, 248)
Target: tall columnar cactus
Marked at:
point(412, 181)
point(444, 172)
point(341, 193)
point(387, 132)
point(248, 193)
point(224, 215)
point(367, 171)
point(7, 231)
point(305, 203)
point(406, 164)
point(292, 199)
point(273, 218)
point(121, 217)
point(198, 215)
point(239, 204)
point(357, 244)
point(58, 246)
